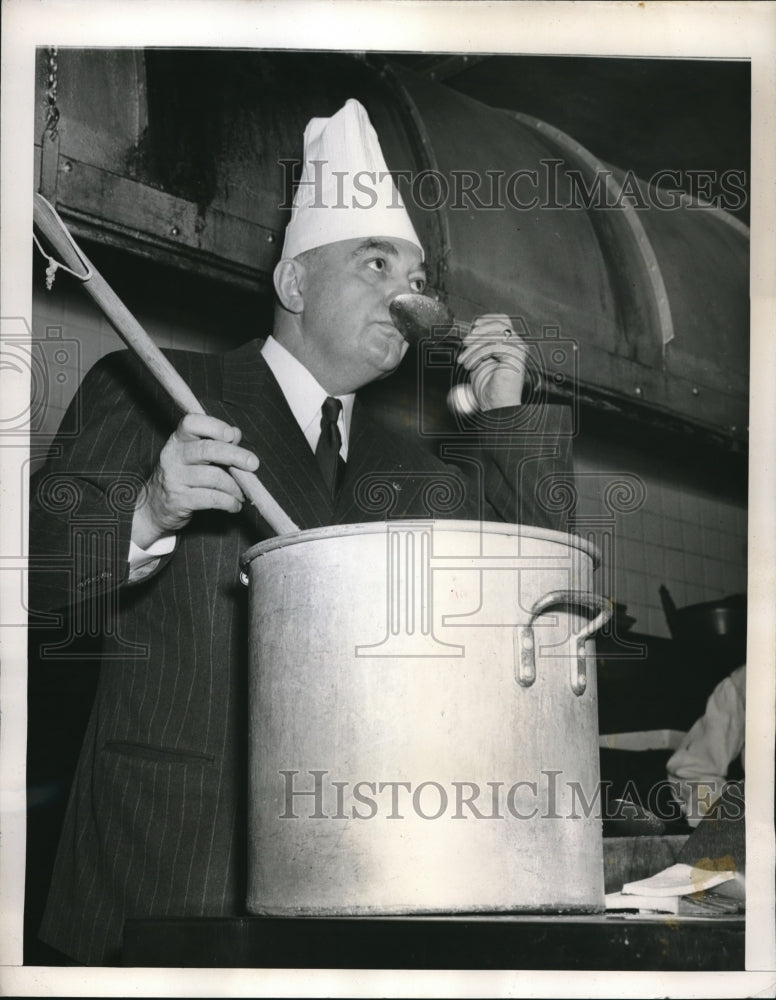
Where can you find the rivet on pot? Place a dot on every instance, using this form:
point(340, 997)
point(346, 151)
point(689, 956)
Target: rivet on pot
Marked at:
point(525, 663)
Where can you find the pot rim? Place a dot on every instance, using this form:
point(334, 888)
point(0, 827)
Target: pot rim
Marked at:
point(376, 527)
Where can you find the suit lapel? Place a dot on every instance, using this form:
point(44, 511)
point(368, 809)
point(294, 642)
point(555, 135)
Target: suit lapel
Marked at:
point(390, 476)
point(367, 488)
point(254, 402)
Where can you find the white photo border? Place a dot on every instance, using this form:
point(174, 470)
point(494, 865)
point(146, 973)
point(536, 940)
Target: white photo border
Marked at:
point(725, 30)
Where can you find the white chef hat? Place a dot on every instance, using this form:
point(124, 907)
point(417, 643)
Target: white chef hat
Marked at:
point(346, 191)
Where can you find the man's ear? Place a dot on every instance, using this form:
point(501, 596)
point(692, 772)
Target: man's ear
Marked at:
point(289, 279)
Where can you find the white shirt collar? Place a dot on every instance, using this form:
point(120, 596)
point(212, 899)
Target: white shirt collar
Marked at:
point(304, 395)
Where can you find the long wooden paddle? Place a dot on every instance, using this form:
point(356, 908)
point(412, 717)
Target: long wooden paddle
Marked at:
point(53, 230)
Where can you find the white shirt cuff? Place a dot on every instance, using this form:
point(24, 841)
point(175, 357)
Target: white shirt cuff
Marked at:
point(142, 562)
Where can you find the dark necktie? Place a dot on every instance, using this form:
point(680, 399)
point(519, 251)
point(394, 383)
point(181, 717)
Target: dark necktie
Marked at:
point(327, 453)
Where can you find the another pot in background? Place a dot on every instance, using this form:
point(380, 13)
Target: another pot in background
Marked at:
point(714, 630)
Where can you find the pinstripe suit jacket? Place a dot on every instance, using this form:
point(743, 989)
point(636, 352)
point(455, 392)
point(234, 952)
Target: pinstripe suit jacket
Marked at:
point(155, 823)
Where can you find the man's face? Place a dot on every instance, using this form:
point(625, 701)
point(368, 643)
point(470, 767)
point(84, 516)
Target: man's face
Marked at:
point(349, 338)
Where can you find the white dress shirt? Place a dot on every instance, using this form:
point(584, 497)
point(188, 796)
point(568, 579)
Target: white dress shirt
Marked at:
point(305, 398)
point(304, 395)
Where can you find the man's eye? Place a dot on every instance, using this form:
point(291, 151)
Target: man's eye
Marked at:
point(377, 263)
point(418, 284)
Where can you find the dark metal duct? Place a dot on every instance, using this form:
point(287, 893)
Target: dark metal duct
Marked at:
point(187, 157)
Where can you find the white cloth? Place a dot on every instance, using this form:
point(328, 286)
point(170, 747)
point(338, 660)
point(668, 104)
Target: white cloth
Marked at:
point(346, 190)
point(701, 762)
point(305, 398)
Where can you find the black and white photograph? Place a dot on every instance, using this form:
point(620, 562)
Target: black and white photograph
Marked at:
point(387, 543)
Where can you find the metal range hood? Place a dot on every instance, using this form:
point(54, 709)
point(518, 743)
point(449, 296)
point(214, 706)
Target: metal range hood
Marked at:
point(186, 157)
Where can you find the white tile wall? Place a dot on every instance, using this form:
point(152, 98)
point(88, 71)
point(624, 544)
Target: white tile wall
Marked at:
point(66, 318)
point(692, 541)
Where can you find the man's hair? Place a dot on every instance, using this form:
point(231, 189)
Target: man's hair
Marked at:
point(309, 258)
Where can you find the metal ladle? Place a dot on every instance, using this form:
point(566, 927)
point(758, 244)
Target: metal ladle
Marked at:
point(420, 316)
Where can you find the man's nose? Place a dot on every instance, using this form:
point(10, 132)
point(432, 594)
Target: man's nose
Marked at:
point(398, 284)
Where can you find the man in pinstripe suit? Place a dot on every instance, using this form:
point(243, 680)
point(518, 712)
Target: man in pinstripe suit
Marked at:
point(139, 529)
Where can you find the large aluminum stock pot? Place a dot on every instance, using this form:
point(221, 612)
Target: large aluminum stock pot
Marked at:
point(423, 718)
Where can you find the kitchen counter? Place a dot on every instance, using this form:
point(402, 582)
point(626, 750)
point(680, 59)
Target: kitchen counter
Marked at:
point(493, 941)
point(565, 942)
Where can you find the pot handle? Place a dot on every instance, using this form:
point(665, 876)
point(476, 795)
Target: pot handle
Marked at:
point(600, 609)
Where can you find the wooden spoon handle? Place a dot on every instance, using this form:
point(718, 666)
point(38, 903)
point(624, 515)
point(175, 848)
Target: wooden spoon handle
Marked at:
point(51, 227)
